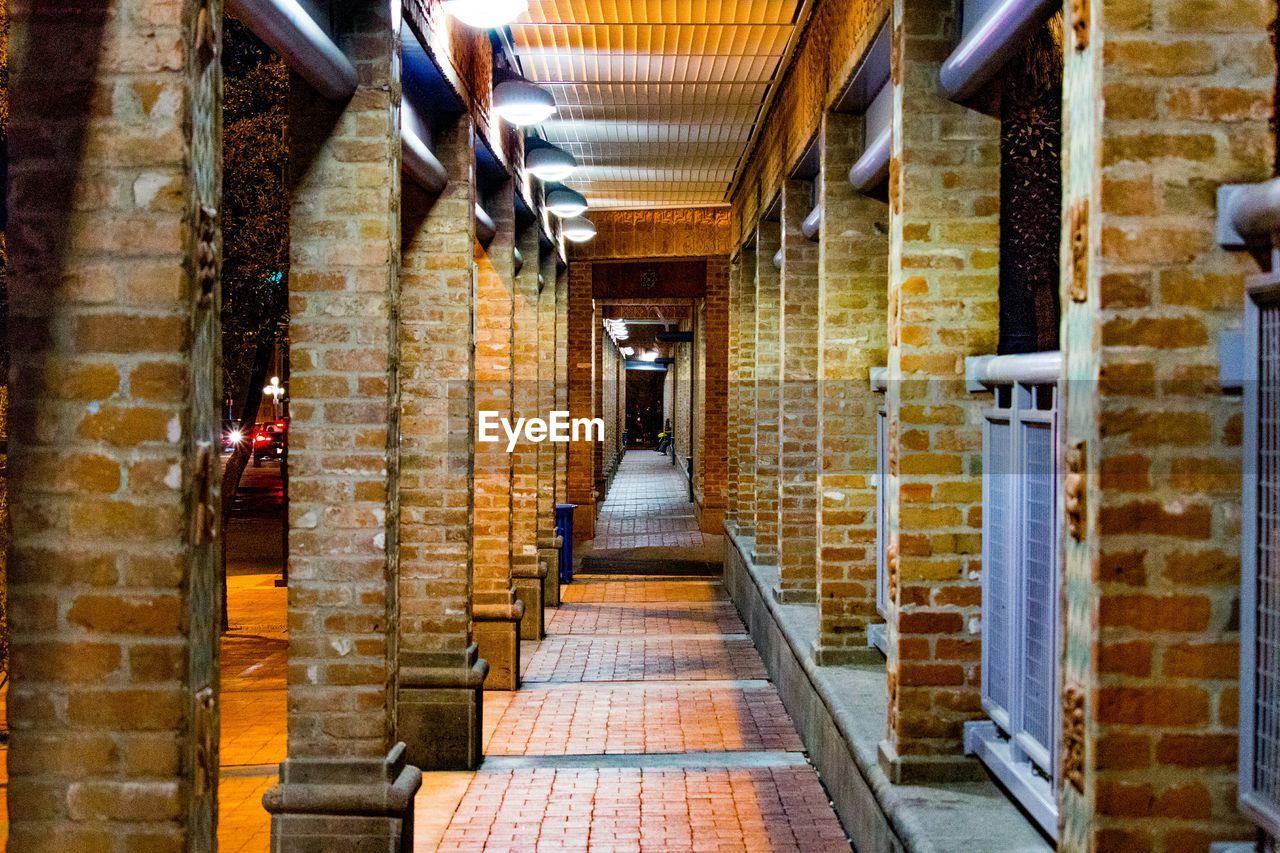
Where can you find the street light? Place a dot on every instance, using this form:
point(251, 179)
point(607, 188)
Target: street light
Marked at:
point(275, 392)
point(579, 230)
point(549, 163)
point(566, 203)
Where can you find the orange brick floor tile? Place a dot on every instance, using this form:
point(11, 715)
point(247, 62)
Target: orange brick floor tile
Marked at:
point(646, 723)
point(647, 507)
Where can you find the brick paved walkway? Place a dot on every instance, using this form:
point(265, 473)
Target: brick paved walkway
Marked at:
point(645, 724)
point(647, 506)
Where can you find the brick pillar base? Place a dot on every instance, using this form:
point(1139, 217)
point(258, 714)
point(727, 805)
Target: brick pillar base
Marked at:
point(363, 804)
point(529, 582)
point(439, 711)
point(497, 632)
point(549, 558)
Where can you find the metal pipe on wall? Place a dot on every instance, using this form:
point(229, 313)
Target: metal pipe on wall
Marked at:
point(419, 161)
point(812, 224)
point(485, 229)
point(991, 43)
point(288, 30)
point(872, 168)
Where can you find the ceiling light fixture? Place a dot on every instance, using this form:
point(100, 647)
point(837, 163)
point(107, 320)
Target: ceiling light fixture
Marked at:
point(566, 203)
point(522, 103)
point(486, 14)
point(579, 229)
point(549, 163)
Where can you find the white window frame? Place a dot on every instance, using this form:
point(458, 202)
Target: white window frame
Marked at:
point(877, 634)
point(1260, 291)
point(1026, 767)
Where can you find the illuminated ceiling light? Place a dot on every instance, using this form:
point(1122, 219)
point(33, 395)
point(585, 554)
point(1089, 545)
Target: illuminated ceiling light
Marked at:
point(486, 14)
point(549, 163)
point(579, 229)
point(522, 103)
point(566, 203)
point(628, 352)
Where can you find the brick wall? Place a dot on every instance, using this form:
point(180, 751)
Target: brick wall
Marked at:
point(733, 418)
point(1163, 101)
point(437, 278)
point(524, 354)
point(714, 398)
point(853, 275)
point(798, 402)
point(745, 437)
point(943, 260)
point(580, 336)
point(768, 381)
point(113, 427)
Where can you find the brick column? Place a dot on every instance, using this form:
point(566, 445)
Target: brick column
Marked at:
point(344, 283)
point(1160, 106)
point(768, 382)
point(798, 403)
point(439, 703)
point(496, 609)
point(943, 259)
point(734, 417)
point(115, 177)
point(563, 493)
point(526, 569)
point(713, 459)
point(549, 490)
point(580, 342)
point(746, 402)
point(853, 270)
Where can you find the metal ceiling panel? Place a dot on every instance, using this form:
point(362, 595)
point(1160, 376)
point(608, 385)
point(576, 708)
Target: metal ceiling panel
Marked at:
point(658, 98)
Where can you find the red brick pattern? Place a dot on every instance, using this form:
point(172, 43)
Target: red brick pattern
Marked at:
point(713, 457)
point(657, 659)
point(343, 281)
point(777, 809)
point(1165, 97)
point(853, 275)
point(525, 403)
point(798, 402)
point(645, 619)
point(110, 161)
point(744, 373)
point(436, 398)
point(581, 352)
point(768, 385)
point(943, 260)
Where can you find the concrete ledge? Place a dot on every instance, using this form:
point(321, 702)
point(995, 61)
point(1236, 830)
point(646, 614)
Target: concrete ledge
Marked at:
point(840, 712)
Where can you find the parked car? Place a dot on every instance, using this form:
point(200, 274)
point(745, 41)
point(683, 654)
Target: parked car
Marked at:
point(269, 441)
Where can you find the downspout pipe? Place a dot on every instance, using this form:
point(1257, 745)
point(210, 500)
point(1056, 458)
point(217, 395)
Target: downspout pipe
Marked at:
point(288, 30)
point(518, 257)
point(812, 224)
point(485, 229)
point(992, 43)
point(872, 168)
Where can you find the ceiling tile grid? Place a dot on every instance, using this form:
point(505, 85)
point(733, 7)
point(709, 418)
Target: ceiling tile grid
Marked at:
point(658, 98)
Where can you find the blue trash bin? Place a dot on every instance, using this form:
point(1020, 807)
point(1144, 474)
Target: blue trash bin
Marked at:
point(564, 529)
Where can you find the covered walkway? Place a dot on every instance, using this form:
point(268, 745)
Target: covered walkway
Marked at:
point(645, 722)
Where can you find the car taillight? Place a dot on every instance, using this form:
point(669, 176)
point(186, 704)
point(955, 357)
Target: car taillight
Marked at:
point(261, 438)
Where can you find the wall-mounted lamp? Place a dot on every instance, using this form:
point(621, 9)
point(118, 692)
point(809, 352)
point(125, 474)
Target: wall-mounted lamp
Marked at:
point(579, 230)
point(486, 14)
point(521, 102)
point(566, 203)
point(549, 163)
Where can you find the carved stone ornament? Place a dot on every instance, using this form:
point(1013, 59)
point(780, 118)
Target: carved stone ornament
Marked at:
point(1079, 221)
point(1075, 490)
point(893, 446)
point(1080, 23)
point(205, 728)
point(207, 255)
point(1073, 737)
point(204, 515)
point(891, 567)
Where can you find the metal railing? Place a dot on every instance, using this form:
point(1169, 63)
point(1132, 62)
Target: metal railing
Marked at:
point(1021, 578)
